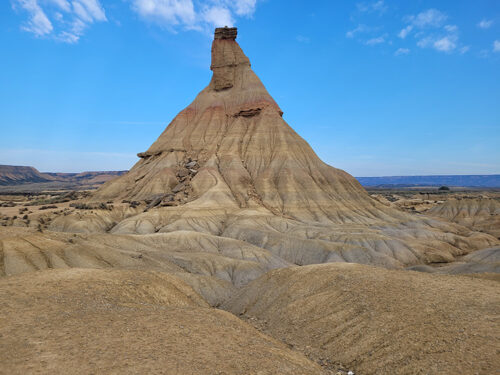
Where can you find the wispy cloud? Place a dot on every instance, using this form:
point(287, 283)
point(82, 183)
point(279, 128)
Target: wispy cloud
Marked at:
point(67, 20)
point(359, 29)
point(445, 44)
point(38, 22)
point(432, 32)
point(174, 14)
point(431, 18)
point(429, 28)
point(443, 41)
point(369, 7)
point(405, 31)
point(401, 51)
point(60, 19)
point(485, 24)
point(464, 49)
point(375, 41)
point(428, 18)
point(496, 46)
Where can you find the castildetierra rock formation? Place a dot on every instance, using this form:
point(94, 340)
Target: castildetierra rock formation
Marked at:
point(229, 166)
point(217, 213)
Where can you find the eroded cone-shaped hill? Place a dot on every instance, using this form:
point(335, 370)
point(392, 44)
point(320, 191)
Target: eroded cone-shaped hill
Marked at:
point(229, 166)
point(242, 154)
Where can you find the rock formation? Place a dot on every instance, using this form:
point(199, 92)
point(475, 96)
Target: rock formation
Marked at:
point(217, 213)
point(229, 165)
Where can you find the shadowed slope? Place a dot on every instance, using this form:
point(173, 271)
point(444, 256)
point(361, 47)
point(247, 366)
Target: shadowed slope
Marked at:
point(379, 321)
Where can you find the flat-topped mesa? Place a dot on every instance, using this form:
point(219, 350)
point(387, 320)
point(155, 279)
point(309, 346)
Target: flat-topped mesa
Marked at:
point(226, 57)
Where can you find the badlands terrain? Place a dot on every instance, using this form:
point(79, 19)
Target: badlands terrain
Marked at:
point(28, 179)
point(231, 248)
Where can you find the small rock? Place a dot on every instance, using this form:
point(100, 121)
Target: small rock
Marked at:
point(178, 188)
point(191, 164)
point(183, 173)
point(168, 204)
point(155, 202)
point(168, 198)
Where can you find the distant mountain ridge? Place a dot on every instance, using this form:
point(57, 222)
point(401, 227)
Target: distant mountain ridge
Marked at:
point(15, 175)
point(18, 176)
point(487, 181)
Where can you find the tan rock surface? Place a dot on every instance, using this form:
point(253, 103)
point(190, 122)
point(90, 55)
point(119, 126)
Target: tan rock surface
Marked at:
point(378, 321)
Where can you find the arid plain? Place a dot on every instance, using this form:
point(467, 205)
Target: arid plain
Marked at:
point(231, 248)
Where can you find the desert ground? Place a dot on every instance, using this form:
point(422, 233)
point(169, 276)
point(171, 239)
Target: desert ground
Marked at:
point(231, 248)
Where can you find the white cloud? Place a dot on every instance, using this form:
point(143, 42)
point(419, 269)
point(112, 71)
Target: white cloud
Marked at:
point(170, 12)
point(485, 24)
point(38, 23)
point(193, 15)
point(451, 28)
point(496, 46)
point(359, 29)
point(431, 18)
point(402, 51)
point(67, 21)
point(404, 32)
point(464, 49)
point(62, 4)
point(444, 39)
point(428, 18)
point(374, 41)
point(244, 7)
point(218, 16)
point(445, 44)
point(377, 6)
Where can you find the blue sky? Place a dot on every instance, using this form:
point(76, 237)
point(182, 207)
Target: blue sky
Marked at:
point(380, 87)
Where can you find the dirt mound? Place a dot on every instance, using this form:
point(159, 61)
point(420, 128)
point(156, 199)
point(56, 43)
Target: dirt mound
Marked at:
point(378, 321)
point(109, 322)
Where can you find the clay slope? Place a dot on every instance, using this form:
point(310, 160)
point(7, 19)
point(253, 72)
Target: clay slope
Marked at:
point(212, 265)
point(229, 165)
point(480, 214)
point(482, 263)
point(378, 321)
point(128, 322)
